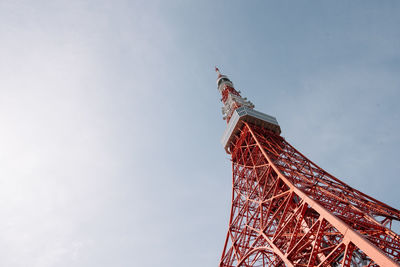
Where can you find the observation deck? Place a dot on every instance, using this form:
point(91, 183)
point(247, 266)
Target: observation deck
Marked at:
point(245, 114)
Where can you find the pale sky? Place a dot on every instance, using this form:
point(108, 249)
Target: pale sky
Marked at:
point(110, 149)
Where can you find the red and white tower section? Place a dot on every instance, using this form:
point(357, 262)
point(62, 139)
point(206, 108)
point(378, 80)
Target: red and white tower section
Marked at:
point(286, 210)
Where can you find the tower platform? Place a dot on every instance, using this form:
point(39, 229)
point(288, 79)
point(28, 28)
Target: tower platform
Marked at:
point(245, 114)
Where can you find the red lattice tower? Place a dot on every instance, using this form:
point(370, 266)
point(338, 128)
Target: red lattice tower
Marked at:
point(287, 211)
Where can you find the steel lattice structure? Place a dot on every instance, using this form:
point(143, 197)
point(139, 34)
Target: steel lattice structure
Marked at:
point(287, 211)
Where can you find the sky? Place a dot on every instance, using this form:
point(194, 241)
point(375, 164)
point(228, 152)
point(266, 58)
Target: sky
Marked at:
point(111, 122)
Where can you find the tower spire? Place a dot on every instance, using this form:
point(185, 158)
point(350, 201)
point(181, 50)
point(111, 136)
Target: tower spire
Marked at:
point(231, 98)
point(217, 71)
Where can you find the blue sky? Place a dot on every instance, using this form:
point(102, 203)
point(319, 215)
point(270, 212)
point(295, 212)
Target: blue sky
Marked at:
point(111, 123)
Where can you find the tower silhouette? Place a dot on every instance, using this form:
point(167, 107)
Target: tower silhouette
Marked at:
point(287, 211)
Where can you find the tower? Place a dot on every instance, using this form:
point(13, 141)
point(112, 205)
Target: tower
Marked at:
point(287, 211)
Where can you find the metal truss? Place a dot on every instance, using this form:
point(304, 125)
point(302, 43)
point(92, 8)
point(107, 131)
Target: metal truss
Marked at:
point(287, 211)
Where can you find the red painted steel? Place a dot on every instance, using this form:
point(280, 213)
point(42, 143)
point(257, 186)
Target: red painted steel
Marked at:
point(287, 211)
